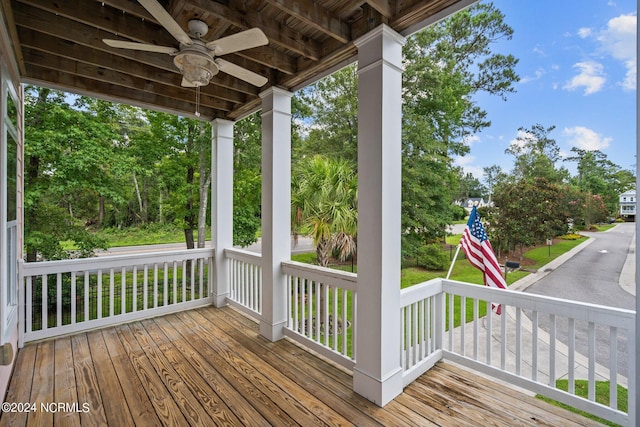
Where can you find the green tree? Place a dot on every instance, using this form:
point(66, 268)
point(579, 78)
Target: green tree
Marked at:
point(597, 175)
point(469, 186)
point(445, 66)
point(332, 103)
point(324, 205)
point(69, 157)
point(247, 180)
point(527, 212)
point(536, 155)
point(185, 171)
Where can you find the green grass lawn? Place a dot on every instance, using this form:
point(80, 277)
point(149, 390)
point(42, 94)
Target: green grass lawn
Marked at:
point(602, 396)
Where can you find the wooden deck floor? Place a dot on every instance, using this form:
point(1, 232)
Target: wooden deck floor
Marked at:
point(210, 367)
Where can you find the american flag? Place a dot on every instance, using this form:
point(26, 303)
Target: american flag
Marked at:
point(477, 247)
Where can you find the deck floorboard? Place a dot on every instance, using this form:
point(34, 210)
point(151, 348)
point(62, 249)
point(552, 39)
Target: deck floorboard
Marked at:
point(211, 367)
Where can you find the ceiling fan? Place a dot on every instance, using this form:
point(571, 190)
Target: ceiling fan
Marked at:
point(196, 59)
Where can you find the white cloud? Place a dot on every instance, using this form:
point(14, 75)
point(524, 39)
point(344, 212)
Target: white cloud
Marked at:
point(619, 41)
point(584, 32)
point(536, 75)
point(471, 139)
point(590, 76)
point(586, 139)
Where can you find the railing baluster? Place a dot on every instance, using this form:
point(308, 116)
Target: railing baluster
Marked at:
point(112, 291)
point(155, 284)
point(87, 287)
point(175, 282)
point(488, 325)
point(123, 290)
point(134, 293)
point(29, 305)
point(503, 337)
point(463, 323)
point(145, 288)
point(184, 281)
point(571, 364)
point(592, 361)
point(613, 367)
point(73, 298)
point(45, 297)
point(534, 346)
point(475, 329)
point(552, 350)
point(99, 298)
point(59, 299)
point(518, 339)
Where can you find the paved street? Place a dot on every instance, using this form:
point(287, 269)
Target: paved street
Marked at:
point(596, 274)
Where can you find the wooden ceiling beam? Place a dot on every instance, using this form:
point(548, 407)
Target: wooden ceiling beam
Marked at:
point(74, 84)
point(76, 52)
point(113, 23)
point(312, 14)
point(101, 74)
point(280, 35)
point(66, 29)
point(382, 6)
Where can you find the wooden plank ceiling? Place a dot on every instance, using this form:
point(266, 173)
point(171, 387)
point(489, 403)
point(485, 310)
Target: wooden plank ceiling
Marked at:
point(58, 43)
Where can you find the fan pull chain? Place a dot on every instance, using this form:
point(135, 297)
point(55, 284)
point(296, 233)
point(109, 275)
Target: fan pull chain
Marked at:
point(197, 101)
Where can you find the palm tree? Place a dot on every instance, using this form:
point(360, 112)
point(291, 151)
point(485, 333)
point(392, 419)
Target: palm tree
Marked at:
point(324, 201)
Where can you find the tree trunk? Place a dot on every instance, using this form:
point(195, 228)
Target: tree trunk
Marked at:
point(322, 252)
point(189, 220)
point(138, 195)
point(101, 210)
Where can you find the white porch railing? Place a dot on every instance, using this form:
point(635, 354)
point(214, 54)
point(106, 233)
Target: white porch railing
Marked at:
point(67, 296)
point(513, 346)
point(245, 280)
point(322, 305)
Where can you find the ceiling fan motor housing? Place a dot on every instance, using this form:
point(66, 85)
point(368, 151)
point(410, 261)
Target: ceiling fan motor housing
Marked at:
point(196, 64)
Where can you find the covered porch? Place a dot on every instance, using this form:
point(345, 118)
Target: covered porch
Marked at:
point(386, 353)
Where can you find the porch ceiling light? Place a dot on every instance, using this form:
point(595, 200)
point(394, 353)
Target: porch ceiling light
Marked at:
point(196, 66)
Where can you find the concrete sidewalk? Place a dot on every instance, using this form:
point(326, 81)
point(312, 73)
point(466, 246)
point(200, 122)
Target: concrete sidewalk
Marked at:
point(543, 339)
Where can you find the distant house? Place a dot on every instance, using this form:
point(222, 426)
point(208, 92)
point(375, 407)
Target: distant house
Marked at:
point(628, 205)
point(474, 201)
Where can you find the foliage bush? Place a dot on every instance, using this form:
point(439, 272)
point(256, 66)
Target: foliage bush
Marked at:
point(570, 236)
point(459, 213)
point(432, 257)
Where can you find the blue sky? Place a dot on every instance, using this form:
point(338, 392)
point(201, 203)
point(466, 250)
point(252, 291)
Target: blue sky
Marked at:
point(578, 72)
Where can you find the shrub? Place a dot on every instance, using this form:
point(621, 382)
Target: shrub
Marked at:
point(432, 257)
point(570, 236)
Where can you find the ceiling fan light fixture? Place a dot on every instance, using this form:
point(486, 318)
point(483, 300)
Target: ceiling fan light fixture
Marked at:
point(196, 67)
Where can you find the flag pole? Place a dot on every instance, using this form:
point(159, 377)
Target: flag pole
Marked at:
point(453, 262)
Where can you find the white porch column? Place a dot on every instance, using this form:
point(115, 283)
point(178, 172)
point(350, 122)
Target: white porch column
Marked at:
point(276, 209)
point(378, 372)
point(221, 205)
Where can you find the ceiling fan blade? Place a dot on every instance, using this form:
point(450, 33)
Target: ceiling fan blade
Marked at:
point(239, 41)
point(140, 46)
point(241, 73)
point(186, 83)
point(166, 20)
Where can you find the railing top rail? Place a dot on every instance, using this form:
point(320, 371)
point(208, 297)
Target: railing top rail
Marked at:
point(113, 261)
point(603, 315)
point(420, 291)
point(242, 255)
point(342, 279)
